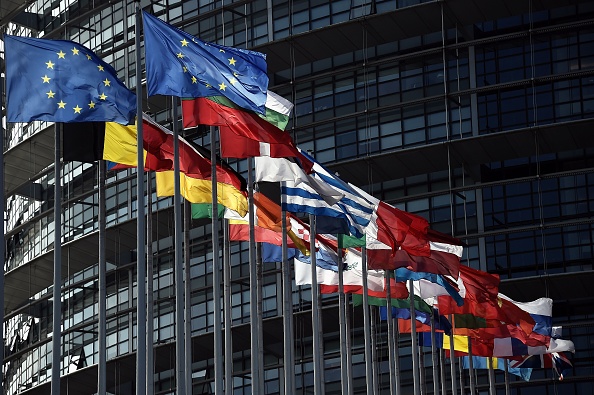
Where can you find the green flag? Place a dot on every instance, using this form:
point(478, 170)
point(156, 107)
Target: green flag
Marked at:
point(349, 241)
point(204, 210)
point(420, 304)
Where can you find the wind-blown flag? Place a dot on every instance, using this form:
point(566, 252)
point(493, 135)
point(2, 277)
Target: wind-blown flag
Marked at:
point(497, 363)
point(429, 285)
point(352, 274)
point(62, 81)
point(117, 144)
point(179, 64)
point(442, 324)
point(508, 347)
point(268, 225)
point(204, 210)
point(396, 228)
point(350, 215)
point(443, 258)
point(199, 190)
point(558, 361)
point(460, 344)
point(269, 169)
point(244, 133)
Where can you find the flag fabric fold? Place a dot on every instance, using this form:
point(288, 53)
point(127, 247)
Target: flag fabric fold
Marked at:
point(352, 273)
point(496, 363)
point(351, 214)
point(243, 133)
point(62, 81)
point(179, 64)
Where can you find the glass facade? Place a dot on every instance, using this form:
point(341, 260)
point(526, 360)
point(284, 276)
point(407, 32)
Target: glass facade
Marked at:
point(470, 117)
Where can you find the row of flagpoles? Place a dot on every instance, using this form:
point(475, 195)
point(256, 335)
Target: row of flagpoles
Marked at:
point(230, 90)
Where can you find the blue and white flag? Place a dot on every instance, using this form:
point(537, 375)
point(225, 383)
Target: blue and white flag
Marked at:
point(350, 214)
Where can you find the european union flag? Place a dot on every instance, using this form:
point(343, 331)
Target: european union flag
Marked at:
point(62, 81)
point(179, 64)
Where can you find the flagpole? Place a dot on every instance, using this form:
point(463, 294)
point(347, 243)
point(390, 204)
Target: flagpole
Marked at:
point(187, 294)
point(460, 370)
point(57, 302)
point(2, 244)
point(216, 268)
point(389, 319)
point(150, 355)
point(452, 360)
point(434, 358)
point(344, 378)
point(318, 363)
point(442, 369)
point(492, 390)
point(227, 308)
point(254, 363)
point(288, 340)
point(396, 356)
point(101, 373)
point(349, 366)
point(375, 377)
point(180, 348)
point(506, 376)
point(140, 224)
point(413, 336)
point(259, 268)
point(471, 368)
point(367, 325)
point(422, 370)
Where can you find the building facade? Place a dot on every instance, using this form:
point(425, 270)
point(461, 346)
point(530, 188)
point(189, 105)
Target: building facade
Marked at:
point(477, 116)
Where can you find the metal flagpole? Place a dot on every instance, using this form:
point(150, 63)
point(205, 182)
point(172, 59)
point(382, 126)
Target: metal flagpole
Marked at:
point(413, 336)
point(57, 306)
point(471, 368)
point(344, 377)
point(452, 359)
point(187, 295)
point(349, 366)
point(180, 348)
point(150, 354)
point(101, 369)
point(315, 316)
point(259, 282)
point(216, 268)
point(2, 244)
point(460, 371)
point(288, 340)
point(254, 363)
point(367, 326)
point(442, 370)
point(434, 357)
point(492, 390)
point(227, 308)
point(506, 377)
point(422, 370)
point(389, 319)
point(396, 356)
point(374, 367)
point(390, 322)
point(140, 224)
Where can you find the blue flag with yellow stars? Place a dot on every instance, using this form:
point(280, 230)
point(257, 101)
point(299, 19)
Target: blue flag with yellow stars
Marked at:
point(62, 81)
point(179, 64)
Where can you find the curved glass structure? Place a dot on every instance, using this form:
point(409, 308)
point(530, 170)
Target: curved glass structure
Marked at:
point(476, 116)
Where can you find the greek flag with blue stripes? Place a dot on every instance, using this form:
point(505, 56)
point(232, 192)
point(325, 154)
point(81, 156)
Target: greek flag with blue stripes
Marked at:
point(351, 214)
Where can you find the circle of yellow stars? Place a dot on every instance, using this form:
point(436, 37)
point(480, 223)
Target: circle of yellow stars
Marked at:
point(77, 109)
point(232, 62)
